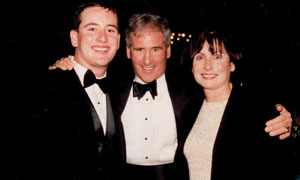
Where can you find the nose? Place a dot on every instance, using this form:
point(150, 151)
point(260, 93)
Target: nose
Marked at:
point(102, 36)
point(148, 59)
point(207, 64)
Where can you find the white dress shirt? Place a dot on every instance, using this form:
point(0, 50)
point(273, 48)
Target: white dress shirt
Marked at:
point(97, 97)
point(150, 127)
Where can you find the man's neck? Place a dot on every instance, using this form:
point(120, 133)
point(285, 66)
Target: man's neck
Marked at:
point(98, 71)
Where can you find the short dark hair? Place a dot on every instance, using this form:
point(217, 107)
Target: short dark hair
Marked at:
point(217, 39)
point(222, 39)
point(141, 21)
point(80, 8)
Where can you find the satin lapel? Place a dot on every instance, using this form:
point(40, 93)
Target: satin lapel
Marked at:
point(118, 103)
point(110, 125)
point(177, 104)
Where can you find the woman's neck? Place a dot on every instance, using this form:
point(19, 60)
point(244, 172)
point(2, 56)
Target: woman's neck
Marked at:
point(217, 95)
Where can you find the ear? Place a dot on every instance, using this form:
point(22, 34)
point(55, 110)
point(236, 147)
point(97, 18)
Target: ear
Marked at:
point(74, 38)
point(169, 52)
point(232, 67)
point(128, 52)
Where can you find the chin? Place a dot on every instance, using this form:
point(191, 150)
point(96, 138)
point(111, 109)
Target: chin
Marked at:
point(148, 80)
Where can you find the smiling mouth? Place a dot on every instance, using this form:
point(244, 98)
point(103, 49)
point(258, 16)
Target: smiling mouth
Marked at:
point(147, 68)
point(100, 49)
point(209, 76)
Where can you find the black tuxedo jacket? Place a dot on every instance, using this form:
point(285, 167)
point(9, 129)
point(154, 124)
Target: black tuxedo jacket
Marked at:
point(66, 146)
point(242, 150)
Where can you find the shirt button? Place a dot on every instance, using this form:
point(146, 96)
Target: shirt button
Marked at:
point(98, 102)
point(146, 138)
point(146, 157)
point(147, 99)
point(146, 119)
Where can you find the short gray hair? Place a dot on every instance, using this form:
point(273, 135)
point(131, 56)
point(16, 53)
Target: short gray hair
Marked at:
point(141, 21)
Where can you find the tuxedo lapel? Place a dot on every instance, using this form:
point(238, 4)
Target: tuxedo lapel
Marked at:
point(177, 103)
point(124, 95)
point(110, 125)
point(82, 114)
point(81, 104)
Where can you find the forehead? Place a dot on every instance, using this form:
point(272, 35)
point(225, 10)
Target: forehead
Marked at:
point(98, 15)
point(148, 37)
point(215, 46)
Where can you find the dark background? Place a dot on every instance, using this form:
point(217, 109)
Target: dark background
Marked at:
point(36, 34)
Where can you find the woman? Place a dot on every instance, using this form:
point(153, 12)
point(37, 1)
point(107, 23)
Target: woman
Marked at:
point(227, 140)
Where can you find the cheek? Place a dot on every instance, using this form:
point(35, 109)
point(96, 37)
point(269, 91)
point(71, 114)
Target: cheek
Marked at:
point(156, 58)
point(196, 67)
point(86, 39)
point(136, 60)
point(193, 68)
point(196, 72)
point(221, 67)
point(115, 40)
point(160, 62)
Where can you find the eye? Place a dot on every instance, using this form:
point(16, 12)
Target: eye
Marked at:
point(156, 49)
point(198, 57)
point(218, 56)
point(138, 49)
point(92, 29)
point(111, 30)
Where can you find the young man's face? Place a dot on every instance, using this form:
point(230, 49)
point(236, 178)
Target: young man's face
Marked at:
point(97, 39)
point(148, 54)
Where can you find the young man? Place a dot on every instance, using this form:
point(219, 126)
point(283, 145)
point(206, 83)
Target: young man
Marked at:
point(82, 137)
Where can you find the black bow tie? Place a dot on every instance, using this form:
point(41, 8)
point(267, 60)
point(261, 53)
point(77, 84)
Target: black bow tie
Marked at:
point(90, 79)
point(139, 90)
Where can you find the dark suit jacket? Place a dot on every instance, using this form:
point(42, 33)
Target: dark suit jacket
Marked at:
point(179, 99)
point(67, 144)
point(242, 149)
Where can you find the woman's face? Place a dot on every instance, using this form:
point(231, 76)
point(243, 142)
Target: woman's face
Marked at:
point(212, 71)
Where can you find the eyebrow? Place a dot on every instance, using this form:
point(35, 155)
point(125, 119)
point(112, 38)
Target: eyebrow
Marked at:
point(114, 26)
point(95, 24)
